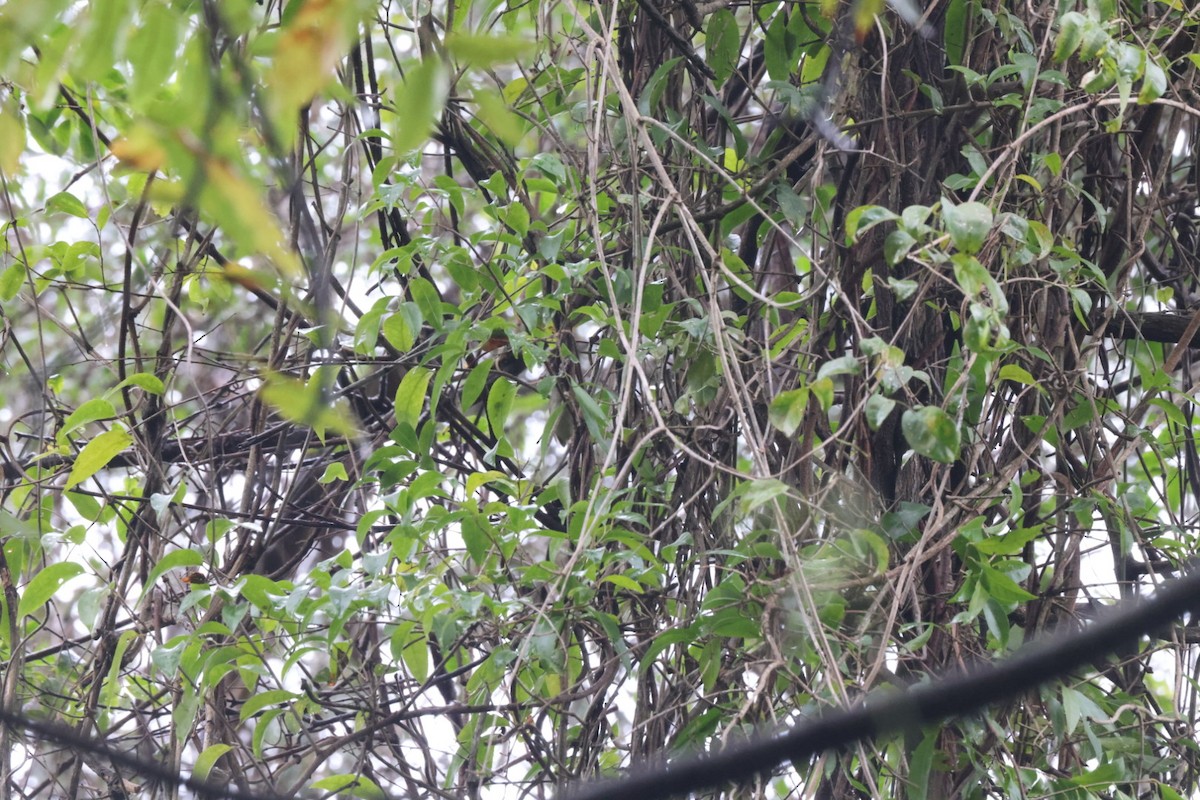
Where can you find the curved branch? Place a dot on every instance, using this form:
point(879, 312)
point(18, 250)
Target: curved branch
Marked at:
point(889, 712)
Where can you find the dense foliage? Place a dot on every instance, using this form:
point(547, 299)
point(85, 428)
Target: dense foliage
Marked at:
point(467, 399)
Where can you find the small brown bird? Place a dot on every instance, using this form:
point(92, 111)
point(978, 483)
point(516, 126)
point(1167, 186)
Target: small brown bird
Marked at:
point(195, 578)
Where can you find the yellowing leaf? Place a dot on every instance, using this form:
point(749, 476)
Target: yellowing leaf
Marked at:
point(237, 206)
point(12, 138)
point(305, 404)
point(246, 277)
point(140, 149)
point(97, 453)
point(312, 43)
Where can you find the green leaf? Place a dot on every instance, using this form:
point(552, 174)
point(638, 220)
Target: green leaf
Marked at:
point(262, 700)
point(968, 224)
point(1038, 237)
point(97, 453)
point(862, 218)
point(878, 409)
point(1154, 83)
point(593, 412)
point(1101, 78)
point(420, 98)
point(354, 785)
point(43, 586)
point(870, 543)
point(500, 119)
point(517, 218)
point(624, 582)
point(92, 410)
point(478, 479)
point(499, 404)
point(106, 22)
point(656, 86)
point(844, 365)
point(399, 332)
point(1002, 588)
point(13, 278)
point(112, 681)
point(176, 559)
point(722, 44)
point(1016, 374)
point(425, 295)
point(971, 276)
point(477, 50)
point(897, 246)
point(334, 472)
point(812, 67)
point(306, 404)
point(1096, 40)
point(904, 521)
point(67, 203)
point(152, 51)
point(1009, 544)
point(956, 30)
point(12, 137)
point(415, 655)
point(410, 396)
point(759, 492)
point(476, 382)
point(144, 381)
point(787, 410)
point(1070, 35)
point(920, 764)
point(477, 536)
point(779, 49)
point(207, 758)
point(932, 433)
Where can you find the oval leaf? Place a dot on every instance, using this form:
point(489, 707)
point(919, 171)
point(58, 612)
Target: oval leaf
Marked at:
point(421, 95)
point(787, 410)
point(97, 453)
point(968, 225)
point(410, 396)
point(263, 700)
point(205, 761)
point(44, 585)
point(931, 433)
point(723, 41)
point(499, 404)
